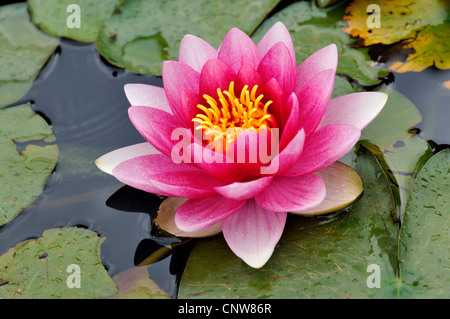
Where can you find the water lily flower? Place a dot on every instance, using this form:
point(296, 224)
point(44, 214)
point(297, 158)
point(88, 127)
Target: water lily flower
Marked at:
point(255, 91)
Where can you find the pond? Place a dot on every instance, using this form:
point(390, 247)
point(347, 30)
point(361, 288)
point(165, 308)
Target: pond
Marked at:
point(81, 96)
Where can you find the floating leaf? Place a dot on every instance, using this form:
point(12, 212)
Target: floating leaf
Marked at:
point(317, 257)
point(39, 268)
point(24, 49)
point(423, 26)
point(400, 153)
point(312, 28)
point(140, 34)
point(425, 234)
point(56, 17)
point(23, 175)
point(135, 283)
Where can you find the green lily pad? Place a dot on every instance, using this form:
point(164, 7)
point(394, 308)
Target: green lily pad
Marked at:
point(57, 18)
point(400, 152)
point(41, 268)
point(140, 34)
point(425, 235)
point(317, 257)
point(134, 283)
point(23, 175)
point(312, 28)
point(24, 49)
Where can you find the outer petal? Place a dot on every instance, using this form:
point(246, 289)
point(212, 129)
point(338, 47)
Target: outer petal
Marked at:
point(276, 33)
point(343, 187)
point(314, 98)
point(253, 232)
point(195, 52)
point(110, 160)
point(160, 175)
point(357, 109)
point(287, 194)
point(324, 147)
point(197, 214)
point(237, 50)
point(277, 63)
point(244, 190)
point(165, 219)
point(324, 59)
point(147, 95)
point(177, 78)
point(155, 126)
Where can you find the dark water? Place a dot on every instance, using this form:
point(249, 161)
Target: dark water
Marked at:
point(82, 97)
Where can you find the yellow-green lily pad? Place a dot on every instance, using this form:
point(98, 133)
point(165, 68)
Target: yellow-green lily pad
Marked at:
point(63, 264)
point(24, 49)
point(23, 174)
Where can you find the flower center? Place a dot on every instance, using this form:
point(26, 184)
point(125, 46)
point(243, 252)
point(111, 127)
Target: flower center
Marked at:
point(239, 113)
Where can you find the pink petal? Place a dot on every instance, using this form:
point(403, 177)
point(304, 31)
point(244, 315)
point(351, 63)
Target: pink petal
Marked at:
point(109, 161)
point(244, 190)
point(288, 157)
point(278, 64)
point(177, 78)
point(323, 59)
point(147, 95)
point(237, 50)
point(274, 93)
point(292, 125)
point(287, 194)
point(155, 126)
point(324, 147)
point(160, 175)
point(314, 98)
point(253, 232)
point(189, 102)
point(195, 52)
point(357, 109)
point(215, 74)
point(197, 214)
point(276, 33)
point(216, 164)
point(248, 76)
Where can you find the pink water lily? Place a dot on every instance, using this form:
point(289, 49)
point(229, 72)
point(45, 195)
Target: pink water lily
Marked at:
point(255, 90)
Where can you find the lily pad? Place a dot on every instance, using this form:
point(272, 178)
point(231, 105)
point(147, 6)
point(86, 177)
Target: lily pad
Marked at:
point(24, 49)
point(140, 34)
point(400, 152)
point(422, 26)
point(58, 17)
point(23, 174)
point(425, 234)
point(312, 28)
point(317, 257)
point(39, 268)
point(134, 283)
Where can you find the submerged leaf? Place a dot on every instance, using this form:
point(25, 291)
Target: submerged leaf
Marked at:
point(24, 49)
point(39, 268)
point(140, 34)
point(23, 175)
point(422, 26)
